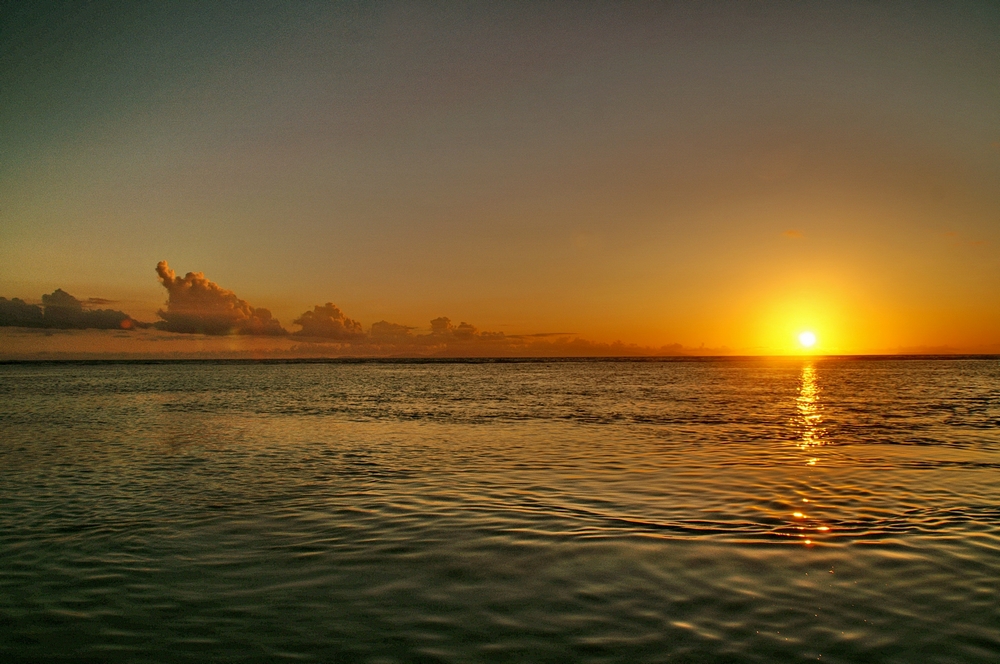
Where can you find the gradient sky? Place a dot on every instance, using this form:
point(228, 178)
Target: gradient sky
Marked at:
point(725, 174)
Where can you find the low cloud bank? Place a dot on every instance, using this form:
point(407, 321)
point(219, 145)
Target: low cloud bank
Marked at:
point(62, 311)
point(446, 339)
point(197, 305)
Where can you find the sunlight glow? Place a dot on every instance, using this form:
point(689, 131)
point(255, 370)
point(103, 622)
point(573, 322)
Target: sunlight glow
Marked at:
point(807, 339)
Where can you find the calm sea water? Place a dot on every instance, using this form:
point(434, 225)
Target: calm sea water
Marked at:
point(726, 510)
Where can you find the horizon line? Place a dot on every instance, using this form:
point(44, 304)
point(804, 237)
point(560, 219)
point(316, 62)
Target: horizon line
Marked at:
point(495, 359)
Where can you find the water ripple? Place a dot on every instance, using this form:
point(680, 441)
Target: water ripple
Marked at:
point(733, 510)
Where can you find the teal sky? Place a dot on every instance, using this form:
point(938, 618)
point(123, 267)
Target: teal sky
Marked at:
point(652, 172)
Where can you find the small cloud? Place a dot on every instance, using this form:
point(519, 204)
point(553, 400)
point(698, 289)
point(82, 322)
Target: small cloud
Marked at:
point(60, 300)
point(97, 301)
point(794, 234)
point(384, 330)
point(197, 305)
point(442, 327)
point(328, 322)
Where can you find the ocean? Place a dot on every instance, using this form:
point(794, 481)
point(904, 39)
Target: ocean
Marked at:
point(694, 510)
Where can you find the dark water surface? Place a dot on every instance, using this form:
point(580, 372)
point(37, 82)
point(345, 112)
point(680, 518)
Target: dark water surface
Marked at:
point(729, 510)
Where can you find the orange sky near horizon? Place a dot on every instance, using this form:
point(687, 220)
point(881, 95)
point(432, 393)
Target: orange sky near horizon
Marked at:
point(720, 176)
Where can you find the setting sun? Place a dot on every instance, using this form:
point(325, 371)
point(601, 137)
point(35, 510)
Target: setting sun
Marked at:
point(807, 339)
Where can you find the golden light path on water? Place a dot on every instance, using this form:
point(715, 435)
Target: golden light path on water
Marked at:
point(809, 409)
point(810, 420)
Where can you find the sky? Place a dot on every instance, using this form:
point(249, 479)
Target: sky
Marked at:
point(710, 177)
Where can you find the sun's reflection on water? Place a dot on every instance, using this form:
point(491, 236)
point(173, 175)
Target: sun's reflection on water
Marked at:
point(810, 415)
point(810, 424)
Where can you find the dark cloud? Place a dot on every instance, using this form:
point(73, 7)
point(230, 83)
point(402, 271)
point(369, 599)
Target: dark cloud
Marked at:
point(197, 305)
point(60, 310)
point(329, 322)
point(442, 327)
point(384, 330)
point(19, 313)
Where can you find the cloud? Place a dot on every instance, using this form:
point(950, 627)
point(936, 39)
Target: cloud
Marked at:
point(384, 330)
point(331, 333)
point(18, 313)
point(197, 305)
point(794, 234)
point(442, 327)
point(328, 322)
point(60, 310)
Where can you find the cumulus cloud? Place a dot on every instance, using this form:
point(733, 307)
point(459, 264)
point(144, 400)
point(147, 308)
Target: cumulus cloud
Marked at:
point(384, 330)
point(328, 322)
point(197, 305)
point(60, 310)
point(443, 328)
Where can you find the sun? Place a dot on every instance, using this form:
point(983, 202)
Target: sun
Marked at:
point(807, 339)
